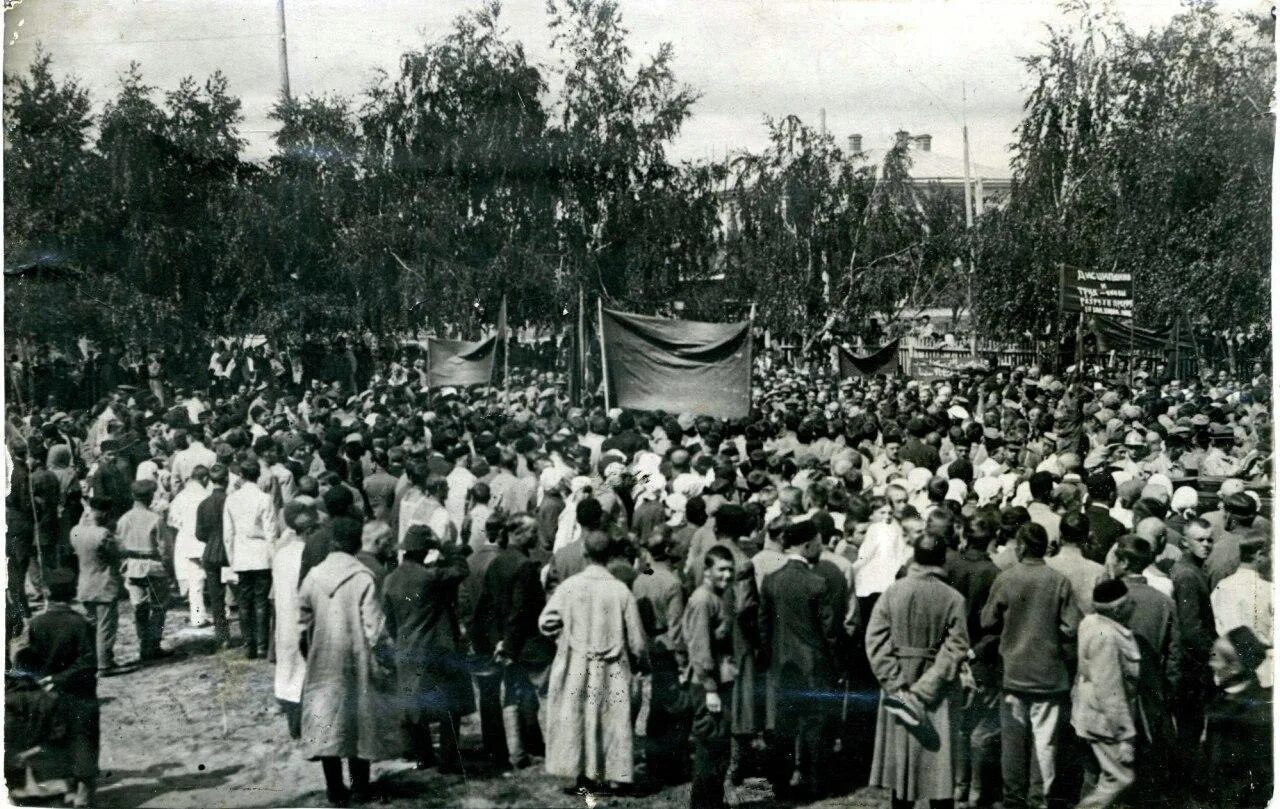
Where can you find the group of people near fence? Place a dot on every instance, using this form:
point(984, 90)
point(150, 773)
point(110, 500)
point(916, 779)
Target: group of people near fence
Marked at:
point(1002, 587)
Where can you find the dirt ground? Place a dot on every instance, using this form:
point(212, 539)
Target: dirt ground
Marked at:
point(203, 731)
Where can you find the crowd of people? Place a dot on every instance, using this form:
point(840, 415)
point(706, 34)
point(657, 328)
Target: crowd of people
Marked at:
point(999, 587)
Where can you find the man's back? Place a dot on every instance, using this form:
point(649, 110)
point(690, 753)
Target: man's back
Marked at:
point(1083, 574)
point(59, 643)
point(1034, 606)
point(99, 577)
point(1104, 530)
point(796, 621)
point(138, 532)
point(660, 599)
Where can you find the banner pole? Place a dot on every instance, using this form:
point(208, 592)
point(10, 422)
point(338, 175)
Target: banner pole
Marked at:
point(583, 354)
point(604, 357)
point(506, 356)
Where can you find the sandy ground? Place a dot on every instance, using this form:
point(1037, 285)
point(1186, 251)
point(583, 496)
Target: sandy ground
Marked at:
point(204, 731)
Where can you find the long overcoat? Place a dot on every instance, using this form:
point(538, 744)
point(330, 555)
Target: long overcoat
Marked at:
point(291, 666)
point(348, 706)
point(596, 623)
point(917, 638)
point(421, 604)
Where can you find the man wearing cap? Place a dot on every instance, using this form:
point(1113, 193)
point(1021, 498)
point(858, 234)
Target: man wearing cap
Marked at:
point(99, 582)
point(660, 599)
point(249, 531)
point(599, 637)
point(1238, 729)
point(143, 570)
point(915, 450)
point(1104, 701)
point(55, 654)
point(1238, 517)
point(420, 599)
point(798, 636)
point(1154, 621)
point(505, 624)
point(213, 557)
point(1244, 598)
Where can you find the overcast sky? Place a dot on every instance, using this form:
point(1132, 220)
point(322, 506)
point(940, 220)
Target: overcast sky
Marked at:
point(876, 66)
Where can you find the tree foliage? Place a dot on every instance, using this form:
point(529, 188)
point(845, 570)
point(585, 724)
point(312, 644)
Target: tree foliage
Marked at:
point(1148, 152)
point(817, 235)
point(457, 179)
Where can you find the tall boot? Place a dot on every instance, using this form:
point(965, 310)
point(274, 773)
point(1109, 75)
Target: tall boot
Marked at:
point(142, 626)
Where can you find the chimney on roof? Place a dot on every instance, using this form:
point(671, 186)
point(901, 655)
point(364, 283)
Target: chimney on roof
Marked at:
point(925, 142)
point(855, 144)
point(902, 138)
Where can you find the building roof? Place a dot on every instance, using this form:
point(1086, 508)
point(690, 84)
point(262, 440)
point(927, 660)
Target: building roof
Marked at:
point(926, 166)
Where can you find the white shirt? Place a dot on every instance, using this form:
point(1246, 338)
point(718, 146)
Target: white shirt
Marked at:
point(455, 502)
point(882, 553)
point(182, 519)
point(185, 460)
point(1244, 599)
point(249, 528)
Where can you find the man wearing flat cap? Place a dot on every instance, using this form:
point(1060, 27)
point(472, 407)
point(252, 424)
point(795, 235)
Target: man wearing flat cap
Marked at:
point(1238, 737)
point(1245, 598)
point(1104, 700)
point(143, 570)
point(420, 600)
point(99, 582)
point(798, 635)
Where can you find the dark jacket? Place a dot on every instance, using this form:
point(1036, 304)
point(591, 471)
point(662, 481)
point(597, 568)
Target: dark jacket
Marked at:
point(548, 518)
point(59, 644)
point(1032, 606)
point(421, 602)
point(209, 528)
point(972, 573)
point(1104, 530)
point(315, 549)
point(920, 454)
point(508, 604)
point(1238, 742)
point(1155, 622)
point(469, 593)
point(1195, 615)
point(797, 640)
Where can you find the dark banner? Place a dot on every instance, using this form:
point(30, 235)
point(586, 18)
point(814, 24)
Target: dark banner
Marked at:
point(1115, 335)
point(882, 361)
point(680, 366)
point(1097, 292)
point(458, 363)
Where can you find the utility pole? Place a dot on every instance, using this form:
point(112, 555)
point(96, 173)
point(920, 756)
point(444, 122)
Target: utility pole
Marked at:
point(284, 52)
point(968, 224)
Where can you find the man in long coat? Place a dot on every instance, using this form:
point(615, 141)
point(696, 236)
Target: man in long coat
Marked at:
point(432, 676)
point(798, 636)
point(916, 641)
point(596, 623)
point(347, 695)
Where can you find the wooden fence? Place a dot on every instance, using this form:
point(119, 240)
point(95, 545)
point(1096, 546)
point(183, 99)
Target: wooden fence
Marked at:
point(933, 361)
